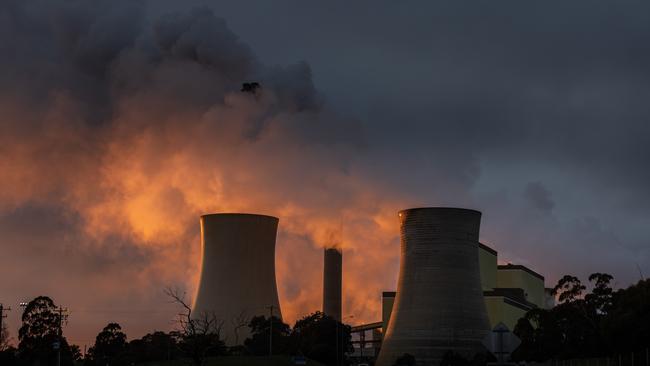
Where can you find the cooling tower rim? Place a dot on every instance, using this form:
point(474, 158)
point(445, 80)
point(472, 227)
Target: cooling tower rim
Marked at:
point(239, 214)
point(440, 208)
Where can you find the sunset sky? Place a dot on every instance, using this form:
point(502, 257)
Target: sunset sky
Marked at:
point(121, 122)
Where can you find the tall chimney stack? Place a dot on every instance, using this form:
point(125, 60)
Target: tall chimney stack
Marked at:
point(332, 282)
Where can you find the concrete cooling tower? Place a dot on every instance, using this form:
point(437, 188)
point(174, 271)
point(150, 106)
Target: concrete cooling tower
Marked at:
point(439, 304)
point(237, 271)
point(332, 282)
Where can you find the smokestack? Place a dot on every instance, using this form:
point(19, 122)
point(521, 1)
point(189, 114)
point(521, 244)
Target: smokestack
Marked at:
point(439, 305)
point(332, 282)
point(237, 271)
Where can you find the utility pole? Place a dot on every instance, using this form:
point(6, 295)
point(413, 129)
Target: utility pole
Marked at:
point(271, 330)
point(60, 310)
point(2, 316)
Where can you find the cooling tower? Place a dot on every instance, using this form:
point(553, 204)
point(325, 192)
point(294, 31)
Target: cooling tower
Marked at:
point(439, 305)
point(237, 271)
point(332, 282)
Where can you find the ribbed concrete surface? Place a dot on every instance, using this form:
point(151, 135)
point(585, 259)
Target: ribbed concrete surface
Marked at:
point(237, 270)
point(439, 304)
point(332, 282)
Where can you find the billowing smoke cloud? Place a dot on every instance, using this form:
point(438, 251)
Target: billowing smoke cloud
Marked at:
point(117, 133)
point(539, 197)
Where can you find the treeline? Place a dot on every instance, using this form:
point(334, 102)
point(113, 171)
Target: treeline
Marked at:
point(41, 343)
point(600, 323)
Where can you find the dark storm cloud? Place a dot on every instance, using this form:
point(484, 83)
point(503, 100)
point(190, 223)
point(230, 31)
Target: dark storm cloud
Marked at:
point(563, 83)
point(466, 103)
point(538, 196)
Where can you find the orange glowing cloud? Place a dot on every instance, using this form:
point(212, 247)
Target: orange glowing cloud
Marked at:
point(176, 140)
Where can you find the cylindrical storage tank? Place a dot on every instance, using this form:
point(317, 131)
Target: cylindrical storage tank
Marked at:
point(237, 271)
point(439, 305)
point(332, 282)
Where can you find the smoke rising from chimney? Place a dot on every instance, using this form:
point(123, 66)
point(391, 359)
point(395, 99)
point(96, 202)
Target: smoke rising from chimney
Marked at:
point(126, 130)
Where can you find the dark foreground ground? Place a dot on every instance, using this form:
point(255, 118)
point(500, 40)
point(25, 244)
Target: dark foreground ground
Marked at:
point(237, 361)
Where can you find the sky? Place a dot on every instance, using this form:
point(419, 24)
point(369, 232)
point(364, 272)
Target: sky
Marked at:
point(121, 122)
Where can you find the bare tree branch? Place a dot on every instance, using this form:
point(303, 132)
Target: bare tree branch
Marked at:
point(200, 333)
point(238, 322)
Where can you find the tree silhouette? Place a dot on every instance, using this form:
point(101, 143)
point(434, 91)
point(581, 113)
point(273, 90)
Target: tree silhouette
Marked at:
point(8, 357)
point(603, 323)
point(258, 341)
point(156, 346)
point(110, 346)
point(568, 289)
point(626, 325)
point(5, 338)
point(238, 322)
point(405, 360)
point(316, 337)
point(601, 295)
point(75, 353)
point(39, 334)
point(200, 334)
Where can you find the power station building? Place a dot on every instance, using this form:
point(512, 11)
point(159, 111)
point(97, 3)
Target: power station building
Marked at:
point(507, 292)
point(451, 289)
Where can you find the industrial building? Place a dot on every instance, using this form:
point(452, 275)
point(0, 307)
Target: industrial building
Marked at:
point(451, 289)
point(237, 271)
point(509, 291)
